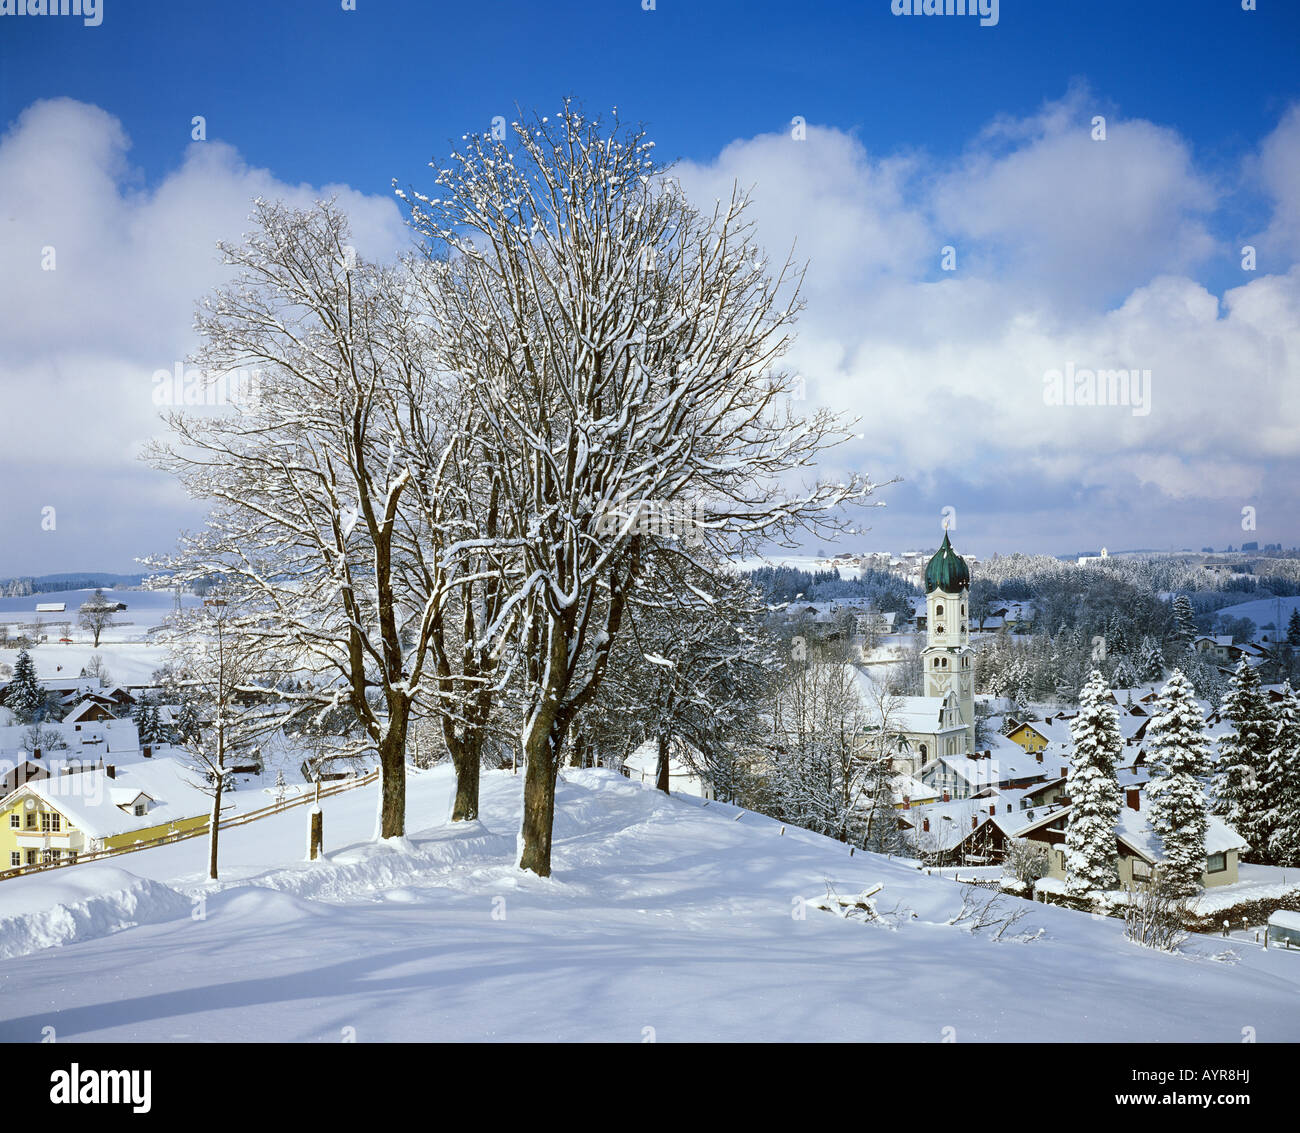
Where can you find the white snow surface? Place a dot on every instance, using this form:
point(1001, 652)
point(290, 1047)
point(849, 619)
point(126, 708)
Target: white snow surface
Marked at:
point(662, 913)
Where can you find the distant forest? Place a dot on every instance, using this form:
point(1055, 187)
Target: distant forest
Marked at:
point(888, 592)
point(49, 583)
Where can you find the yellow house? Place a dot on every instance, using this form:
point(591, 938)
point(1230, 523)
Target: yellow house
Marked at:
point(66, 815)
point(1137, 851)
point(1028, 737)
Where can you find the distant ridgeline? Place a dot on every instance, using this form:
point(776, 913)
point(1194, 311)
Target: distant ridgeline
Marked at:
point(49, 583)
point(785, 584)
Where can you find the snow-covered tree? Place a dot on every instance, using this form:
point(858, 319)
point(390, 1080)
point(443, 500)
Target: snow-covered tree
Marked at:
point(1150, 660)
point(1125, 675)
point(308, 474)
point(691, 668)
point(26, 696)
point(822, 780)
point(1093, 791)
point(187, 722)
point(1184, 623)
point(1179, 760)
point(95, 669)
point(1280, 781)
point(629, 345)
point(1243, 759)
point(96, 615)
point(221, 649)
point(1026, 860)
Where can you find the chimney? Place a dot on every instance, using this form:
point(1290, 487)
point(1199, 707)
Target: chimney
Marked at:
point(993, 809)
point(974, 821)
point(36, 753)
point(907, 803)
point(946, 798)
point(111, 771)
point(1038, 755)
point(1134, 798)
point(1065, 772)
point(925, 825)
point(147, 751)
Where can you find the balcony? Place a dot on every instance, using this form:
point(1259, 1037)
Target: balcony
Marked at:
point(49, 839)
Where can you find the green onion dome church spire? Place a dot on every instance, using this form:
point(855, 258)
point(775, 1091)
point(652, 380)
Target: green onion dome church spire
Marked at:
point(947, 571)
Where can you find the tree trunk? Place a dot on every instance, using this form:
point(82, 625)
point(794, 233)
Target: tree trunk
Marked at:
point(661, 777)
point(214, 825)
point(540, 768)
point(466, 758)
point(392, 764)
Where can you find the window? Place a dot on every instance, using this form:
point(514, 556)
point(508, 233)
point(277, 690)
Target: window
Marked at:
point(1216, 863)
point(31, 820)
point(140, 809)
point(49, 823)
point(15, 820)
point(31, 857)
point(1141, 868)
point(938, 612)
point(15, 858)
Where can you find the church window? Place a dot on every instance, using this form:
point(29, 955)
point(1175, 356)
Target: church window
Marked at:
point(938, 611)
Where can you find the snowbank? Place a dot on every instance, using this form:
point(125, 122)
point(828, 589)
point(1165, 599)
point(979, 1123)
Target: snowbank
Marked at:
point(80, 903)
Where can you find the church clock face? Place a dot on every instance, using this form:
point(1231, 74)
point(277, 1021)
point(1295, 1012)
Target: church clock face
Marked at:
point(938, 629)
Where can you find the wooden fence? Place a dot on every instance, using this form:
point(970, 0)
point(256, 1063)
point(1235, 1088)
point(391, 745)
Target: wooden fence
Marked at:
point(336, 788)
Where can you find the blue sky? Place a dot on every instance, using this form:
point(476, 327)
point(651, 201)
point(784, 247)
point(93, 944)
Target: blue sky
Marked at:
point(921, 128)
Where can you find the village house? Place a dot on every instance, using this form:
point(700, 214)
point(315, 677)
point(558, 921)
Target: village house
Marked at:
point(1137, 849)
point(642, 766)
point(60, 817)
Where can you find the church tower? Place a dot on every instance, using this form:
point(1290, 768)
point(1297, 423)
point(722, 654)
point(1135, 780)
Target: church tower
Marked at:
point(949, 658)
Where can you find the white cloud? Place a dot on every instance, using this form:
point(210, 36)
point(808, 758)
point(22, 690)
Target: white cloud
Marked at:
point(79, 344)
point(1070, 251)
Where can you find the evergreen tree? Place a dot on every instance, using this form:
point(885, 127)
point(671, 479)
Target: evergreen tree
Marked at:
point(1179, 762)
point(1293, 628)
point(152, 725)
point(187, 723)
point(1281, 782)
point(1243, 757)
point(1151, 661)
point(1126, 675)
point(1093, 791)
point(26, 696)
point(1184, 623)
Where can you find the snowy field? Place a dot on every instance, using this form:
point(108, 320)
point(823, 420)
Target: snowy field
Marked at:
point(1265, 611)
point(126, 647)
point(666, 918)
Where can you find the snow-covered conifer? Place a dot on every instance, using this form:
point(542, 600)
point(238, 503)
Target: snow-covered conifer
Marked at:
point(1093, 791)
point(1243, 758)
point(1179, 759)
point(26, 696)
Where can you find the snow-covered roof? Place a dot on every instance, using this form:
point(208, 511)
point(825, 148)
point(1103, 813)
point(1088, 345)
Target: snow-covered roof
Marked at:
point(645, 759)
point(92, 801)
point(1285, 918)
point(1134, 829)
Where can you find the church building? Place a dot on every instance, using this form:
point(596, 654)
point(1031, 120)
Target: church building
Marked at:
point(948, 657)
point(939, 723)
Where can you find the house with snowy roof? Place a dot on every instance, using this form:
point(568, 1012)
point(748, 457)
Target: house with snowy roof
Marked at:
point(642, 766)
point(1137, 846)
point(58, 818)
